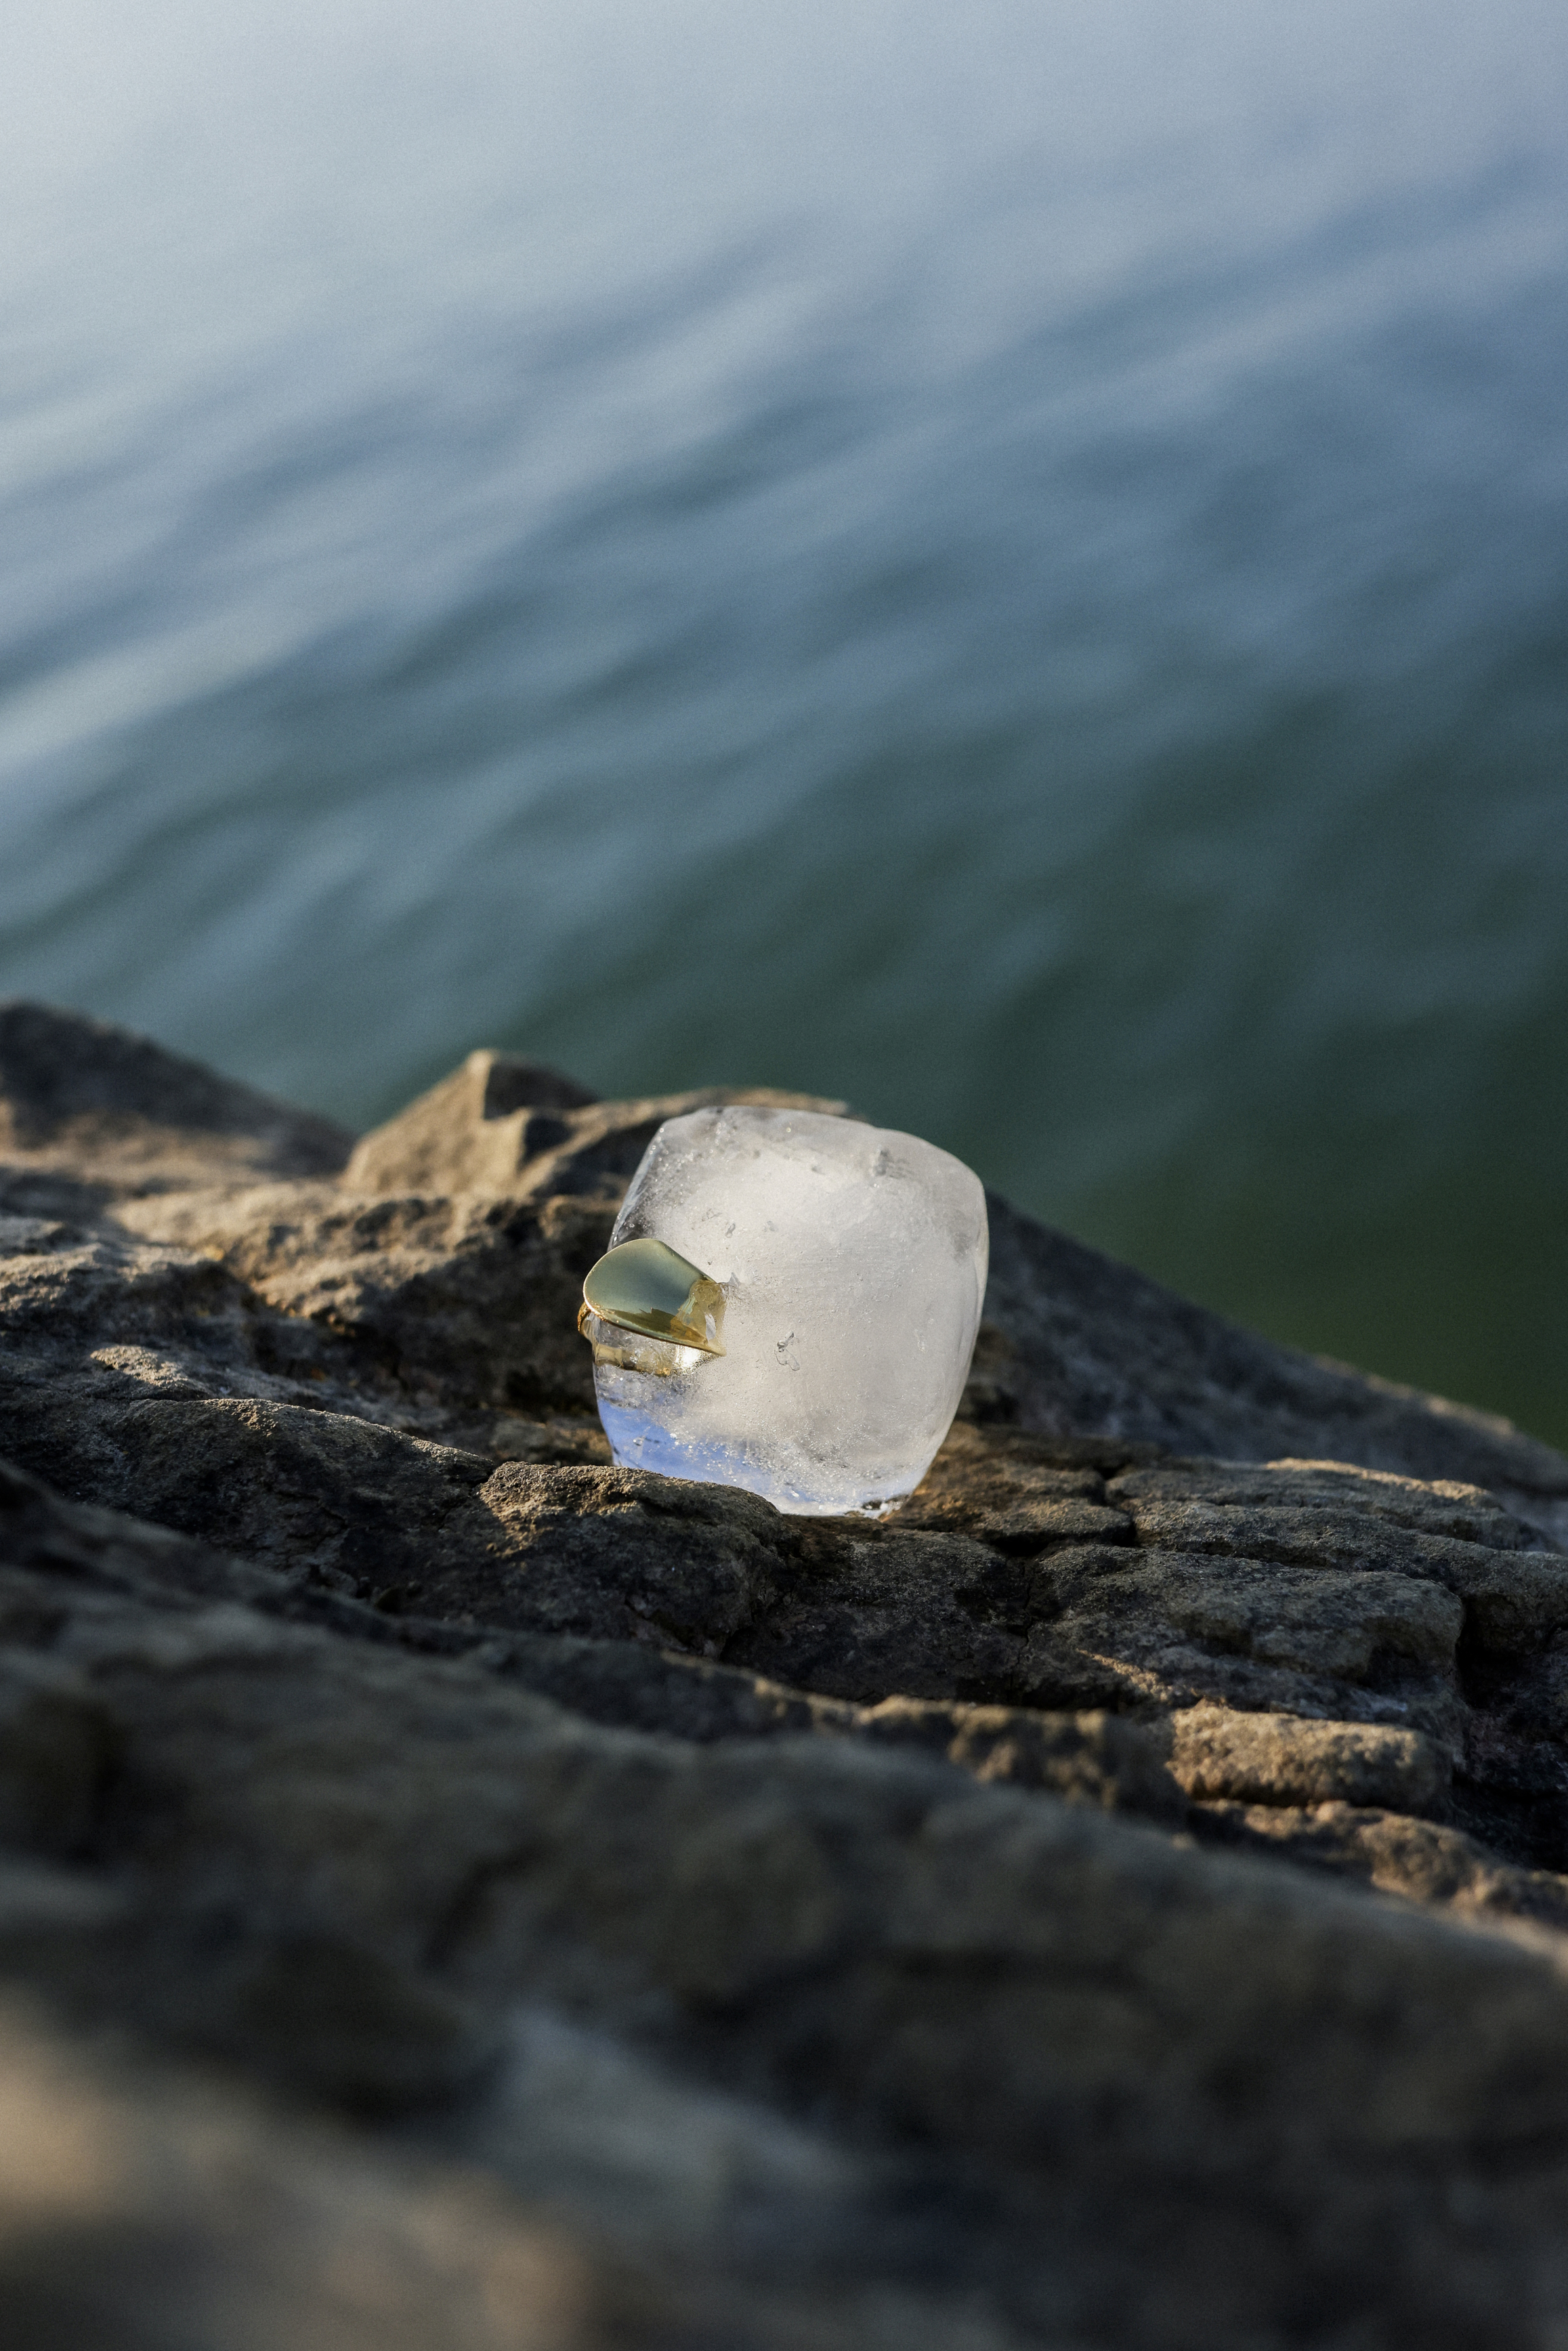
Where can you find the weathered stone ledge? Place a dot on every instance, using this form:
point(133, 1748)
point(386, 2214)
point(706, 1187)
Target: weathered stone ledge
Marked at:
point(454, 1892)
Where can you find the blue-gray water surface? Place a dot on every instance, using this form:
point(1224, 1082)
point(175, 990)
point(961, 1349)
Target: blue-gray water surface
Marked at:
point(1008, 564)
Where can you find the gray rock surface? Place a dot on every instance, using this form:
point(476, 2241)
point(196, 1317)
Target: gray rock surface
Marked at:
point(454, 1892)
point(113, 1113)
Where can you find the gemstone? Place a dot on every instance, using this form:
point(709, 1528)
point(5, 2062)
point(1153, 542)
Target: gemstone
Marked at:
point(644, 1286)
point(644, 1309)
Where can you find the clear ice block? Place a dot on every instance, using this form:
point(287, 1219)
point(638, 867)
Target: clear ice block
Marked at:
point(851, 1265)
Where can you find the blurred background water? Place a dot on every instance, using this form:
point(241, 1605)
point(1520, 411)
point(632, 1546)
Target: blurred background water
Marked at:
point(1009, 563)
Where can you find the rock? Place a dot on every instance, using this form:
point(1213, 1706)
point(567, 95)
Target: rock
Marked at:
point(113, 1113)
point(1421, 1860)
point(1121, 1899)
point(1274, 1758)
point(150, 2203)
point(501, 1124)
point(56, 1746)
point(1075, 1345)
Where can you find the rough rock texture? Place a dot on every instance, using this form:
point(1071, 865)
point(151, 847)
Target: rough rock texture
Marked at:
point(454, 1892)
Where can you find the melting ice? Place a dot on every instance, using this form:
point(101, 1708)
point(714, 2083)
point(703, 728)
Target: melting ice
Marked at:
point(845, 1266)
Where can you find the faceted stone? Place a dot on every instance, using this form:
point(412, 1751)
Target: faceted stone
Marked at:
point(850, 1264)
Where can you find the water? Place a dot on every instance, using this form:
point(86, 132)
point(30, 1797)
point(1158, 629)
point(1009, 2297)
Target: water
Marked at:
point(1011, 565)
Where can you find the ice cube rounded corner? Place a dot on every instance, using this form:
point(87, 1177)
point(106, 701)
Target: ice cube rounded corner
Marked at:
point(789, 1303)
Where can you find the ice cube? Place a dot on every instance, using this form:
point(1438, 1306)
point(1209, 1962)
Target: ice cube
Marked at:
point(844, 1265)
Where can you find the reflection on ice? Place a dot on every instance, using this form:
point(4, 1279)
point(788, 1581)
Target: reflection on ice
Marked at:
point(640, 1439)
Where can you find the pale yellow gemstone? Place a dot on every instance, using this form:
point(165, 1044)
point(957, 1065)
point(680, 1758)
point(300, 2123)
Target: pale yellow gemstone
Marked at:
point(644, 1287)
